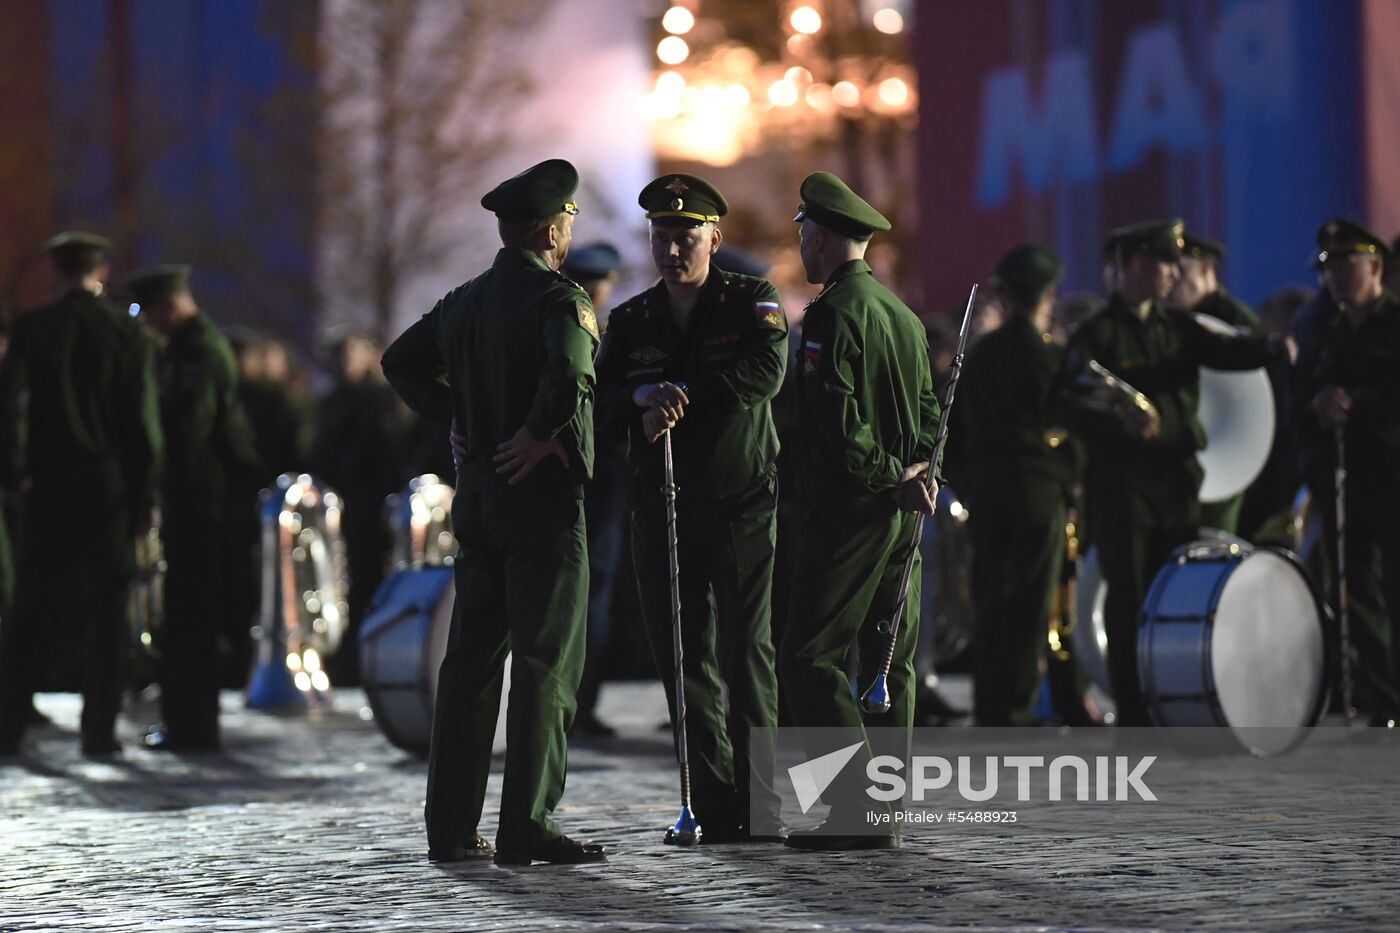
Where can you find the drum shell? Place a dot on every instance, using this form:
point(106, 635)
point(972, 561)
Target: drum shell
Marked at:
point(1191, 632)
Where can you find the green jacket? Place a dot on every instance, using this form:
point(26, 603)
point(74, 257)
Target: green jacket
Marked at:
point(731, 359)
point(209, 441)
point(865, 390)
point(1223, 306)
point(78, 405)
point(1365, 362)
point(1004, 397)
point(512, 346)
point(1161, 357)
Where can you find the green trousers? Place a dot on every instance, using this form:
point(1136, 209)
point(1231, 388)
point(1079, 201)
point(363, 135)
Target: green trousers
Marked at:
point(70, 600)
point(190, 672)
point(726, 579)
point(1137, 517)
point(522, 588)
point(1373, 594)
point(850, 559)
point(1018, 542)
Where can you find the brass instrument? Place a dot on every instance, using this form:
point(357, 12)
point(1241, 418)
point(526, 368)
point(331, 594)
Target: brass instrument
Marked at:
point(421, 520)
point(305, 588)
point(1108, 393)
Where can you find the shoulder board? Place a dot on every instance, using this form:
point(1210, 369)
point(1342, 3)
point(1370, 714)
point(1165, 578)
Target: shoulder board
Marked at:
point(740, 284)
point(638, 306)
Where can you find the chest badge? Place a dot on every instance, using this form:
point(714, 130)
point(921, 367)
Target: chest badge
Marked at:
point(647, 355)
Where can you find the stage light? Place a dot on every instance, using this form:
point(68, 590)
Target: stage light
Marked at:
point(889, 21)
point(806, 20)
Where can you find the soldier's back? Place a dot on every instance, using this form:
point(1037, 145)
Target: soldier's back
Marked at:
point(491, 333)
point(76, 353)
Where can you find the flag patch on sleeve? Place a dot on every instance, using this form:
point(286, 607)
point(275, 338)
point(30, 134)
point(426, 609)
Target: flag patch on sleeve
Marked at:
point(812, 356)
point(770, 314)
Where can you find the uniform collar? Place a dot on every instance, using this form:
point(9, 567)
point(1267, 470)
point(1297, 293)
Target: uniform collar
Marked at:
point(847, 269)
point(844, 271)
point(515, 256)
point(1119, 304)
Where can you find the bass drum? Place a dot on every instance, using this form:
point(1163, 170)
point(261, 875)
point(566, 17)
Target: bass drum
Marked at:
point(402, 642)
point(1090, 636)
point(1234, 638)
point(945, 591)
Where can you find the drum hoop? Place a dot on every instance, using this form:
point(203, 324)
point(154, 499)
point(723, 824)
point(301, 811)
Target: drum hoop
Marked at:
point(1183, 555)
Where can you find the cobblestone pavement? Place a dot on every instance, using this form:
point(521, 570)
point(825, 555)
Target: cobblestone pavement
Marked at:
point(314, 823)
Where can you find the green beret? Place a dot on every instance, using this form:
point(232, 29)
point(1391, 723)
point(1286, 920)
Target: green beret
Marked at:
point(540, 191)
point(828, 201)
point(157, 283)
point(1028, 270)
point(1340, 236)
point(1162, 238)
point(682, 201)
point(1199, 247)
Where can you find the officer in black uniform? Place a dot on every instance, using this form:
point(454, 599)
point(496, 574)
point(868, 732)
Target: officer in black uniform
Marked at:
point(210, 455)
point(1347, 394)
point(1018, 487)
point(80, 447)
point(702, 353)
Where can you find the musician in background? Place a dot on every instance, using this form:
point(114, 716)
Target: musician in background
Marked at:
point(1348, 381)
point(1022, 471)
point(1199, 291)
point(80, 445)
point(210, 455)
point(595, 267)
point(1143, 480)
point(361, 433)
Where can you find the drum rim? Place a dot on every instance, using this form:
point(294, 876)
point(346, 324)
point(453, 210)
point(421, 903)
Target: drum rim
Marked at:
point(1182, 555)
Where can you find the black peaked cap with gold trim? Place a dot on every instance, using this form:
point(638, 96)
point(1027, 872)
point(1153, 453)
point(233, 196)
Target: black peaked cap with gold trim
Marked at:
point(1340, 236)
point(1199, 247)
point(540, 191)
point(158, 283)
point(681, 200)
point(829, 201)
point(1162, 238)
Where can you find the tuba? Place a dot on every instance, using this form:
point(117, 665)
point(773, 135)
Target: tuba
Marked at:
point(305, 585)
point(421, 520)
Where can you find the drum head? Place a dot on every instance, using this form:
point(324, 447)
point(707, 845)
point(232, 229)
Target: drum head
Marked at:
point(1267, 653)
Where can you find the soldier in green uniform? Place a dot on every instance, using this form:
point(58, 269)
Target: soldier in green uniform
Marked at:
point(508, 357)
point(1143, 478)
point(702, 353)
point(1017, 489)
point(80, 440)
point(865, 434)
point(1348, 380)
point(209, 450)
point(1199, 291)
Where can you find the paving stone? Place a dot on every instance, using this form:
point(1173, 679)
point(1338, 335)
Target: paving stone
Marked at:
point(314, 822)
